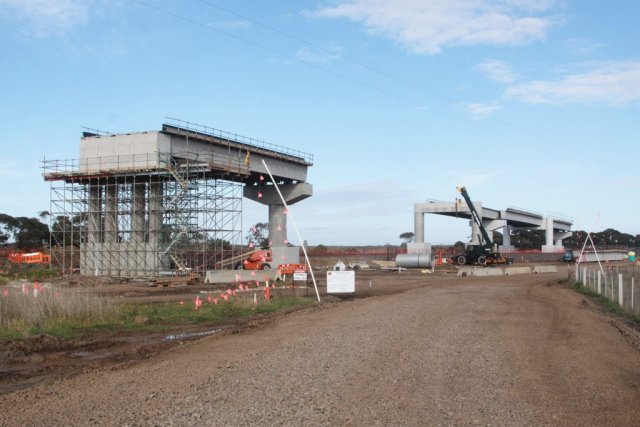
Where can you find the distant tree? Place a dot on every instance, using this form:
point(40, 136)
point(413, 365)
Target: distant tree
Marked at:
point(528, 239)
point(67, 231)
point(459, 246)
point(407, 236)
point(28, 233)
point(31, 233)
point(321, 249)
point(259, 234)
point(7, 227)
point(608, 237)
point(497, 238)
point(219, 244)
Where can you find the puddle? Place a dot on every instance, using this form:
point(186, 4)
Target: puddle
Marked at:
point(186, 335)
point(87, 355)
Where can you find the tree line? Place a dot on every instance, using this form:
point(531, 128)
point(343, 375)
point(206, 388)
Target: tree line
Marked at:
point(534, 239)
point(27, 233)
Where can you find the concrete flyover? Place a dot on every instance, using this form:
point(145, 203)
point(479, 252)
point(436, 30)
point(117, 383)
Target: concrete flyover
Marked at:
point(556, 228)
point(148, 195)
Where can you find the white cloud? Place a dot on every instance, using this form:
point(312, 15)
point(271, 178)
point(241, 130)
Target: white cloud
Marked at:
point(47, 16)
point(427, 26)
point(609, 83)
point(319, 55)
point(498, 71)
point(480, 111)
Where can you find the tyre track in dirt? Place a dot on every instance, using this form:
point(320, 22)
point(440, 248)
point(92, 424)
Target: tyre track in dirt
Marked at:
point(492, 351)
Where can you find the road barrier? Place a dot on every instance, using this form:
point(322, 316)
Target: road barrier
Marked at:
point(545, 269)
point(510, 271)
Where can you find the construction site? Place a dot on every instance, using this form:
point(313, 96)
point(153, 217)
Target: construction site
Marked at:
point(166, 202)
point(147, 247)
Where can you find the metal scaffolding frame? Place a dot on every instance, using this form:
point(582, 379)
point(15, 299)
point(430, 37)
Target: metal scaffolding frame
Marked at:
point(171, 215)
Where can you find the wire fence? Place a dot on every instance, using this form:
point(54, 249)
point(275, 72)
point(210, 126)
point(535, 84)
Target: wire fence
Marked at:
point(617, 283)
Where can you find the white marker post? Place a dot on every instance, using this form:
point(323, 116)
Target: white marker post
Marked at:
point(293, 221)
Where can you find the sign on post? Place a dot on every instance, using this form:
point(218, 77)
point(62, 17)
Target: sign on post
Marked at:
point(341, 282)
point(300, 276)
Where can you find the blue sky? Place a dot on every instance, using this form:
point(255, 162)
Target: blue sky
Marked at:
point(533, 104)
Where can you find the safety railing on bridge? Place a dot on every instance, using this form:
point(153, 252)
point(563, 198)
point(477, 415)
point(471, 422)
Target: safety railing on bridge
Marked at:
point(210, 131)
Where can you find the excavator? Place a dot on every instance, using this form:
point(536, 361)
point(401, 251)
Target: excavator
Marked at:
point(485, 253)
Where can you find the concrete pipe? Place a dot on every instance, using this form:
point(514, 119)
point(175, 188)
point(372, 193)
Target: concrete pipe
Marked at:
point(415, 260)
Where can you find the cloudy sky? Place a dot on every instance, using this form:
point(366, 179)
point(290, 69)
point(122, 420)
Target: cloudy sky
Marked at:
point(532, 104)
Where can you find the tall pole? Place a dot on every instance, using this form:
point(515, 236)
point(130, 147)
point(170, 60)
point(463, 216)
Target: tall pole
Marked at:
point(293, 221)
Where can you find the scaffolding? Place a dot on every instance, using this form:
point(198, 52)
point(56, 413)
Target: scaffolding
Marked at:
point(145, 215)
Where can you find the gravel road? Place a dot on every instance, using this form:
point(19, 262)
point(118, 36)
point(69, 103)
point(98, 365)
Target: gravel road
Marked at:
point(516, 350)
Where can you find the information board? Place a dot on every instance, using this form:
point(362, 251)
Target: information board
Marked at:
point(341, 282)
point(300, 276)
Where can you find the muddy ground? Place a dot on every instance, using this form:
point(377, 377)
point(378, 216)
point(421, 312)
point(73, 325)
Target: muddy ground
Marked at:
point(43, 359)
point(424, 349)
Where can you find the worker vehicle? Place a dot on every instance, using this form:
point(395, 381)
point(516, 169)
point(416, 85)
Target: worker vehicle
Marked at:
point(257, 260)
point(486, 252)
point(568, 256)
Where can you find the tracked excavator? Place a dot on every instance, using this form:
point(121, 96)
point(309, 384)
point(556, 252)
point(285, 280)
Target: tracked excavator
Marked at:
point(485, 253)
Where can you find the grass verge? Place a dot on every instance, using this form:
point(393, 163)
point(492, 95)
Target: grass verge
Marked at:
point(70, 314)
point(605, 303)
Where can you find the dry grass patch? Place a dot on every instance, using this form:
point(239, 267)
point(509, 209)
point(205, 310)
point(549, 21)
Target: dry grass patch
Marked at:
point(35, 309)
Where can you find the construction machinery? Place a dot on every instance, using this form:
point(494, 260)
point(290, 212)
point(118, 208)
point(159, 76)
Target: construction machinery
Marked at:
point(257, 260)
point(484, 253)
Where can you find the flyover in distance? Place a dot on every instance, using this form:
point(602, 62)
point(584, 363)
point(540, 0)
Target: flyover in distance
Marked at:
point(556, 228)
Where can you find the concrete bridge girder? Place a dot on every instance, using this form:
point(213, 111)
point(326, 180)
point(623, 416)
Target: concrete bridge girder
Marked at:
point(509, 219)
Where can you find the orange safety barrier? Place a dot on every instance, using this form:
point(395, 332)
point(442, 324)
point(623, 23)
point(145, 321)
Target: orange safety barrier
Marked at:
point(292, 268)
point(30, 258)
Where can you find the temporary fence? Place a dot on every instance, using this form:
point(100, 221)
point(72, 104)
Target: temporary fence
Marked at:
point(617, 283)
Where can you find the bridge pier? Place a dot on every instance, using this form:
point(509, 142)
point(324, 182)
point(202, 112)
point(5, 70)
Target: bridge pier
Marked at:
point(268, 195)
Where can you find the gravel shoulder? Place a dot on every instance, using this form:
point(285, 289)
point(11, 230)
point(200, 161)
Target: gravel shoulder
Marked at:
point(494, 351)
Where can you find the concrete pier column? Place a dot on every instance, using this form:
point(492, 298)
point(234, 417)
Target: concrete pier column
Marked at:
point(155, 212)
point(548, 232)
point(418, 226)
point(90, 251)
point(548, 235)
point(506, 236)
point(111, 214)
point(94, 223)
point(268, 195)
point(475, 233)
point(138, 212)
point(277, 225)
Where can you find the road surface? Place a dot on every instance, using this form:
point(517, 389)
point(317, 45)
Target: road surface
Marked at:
point(515, 350)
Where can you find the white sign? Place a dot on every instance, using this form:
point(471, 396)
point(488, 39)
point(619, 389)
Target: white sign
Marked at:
point(300, 276)
point(341, 282)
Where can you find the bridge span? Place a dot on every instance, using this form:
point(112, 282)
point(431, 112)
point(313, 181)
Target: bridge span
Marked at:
point(556, 228)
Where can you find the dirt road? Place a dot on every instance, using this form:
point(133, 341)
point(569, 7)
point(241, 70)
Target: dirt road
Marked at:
point(516, 350)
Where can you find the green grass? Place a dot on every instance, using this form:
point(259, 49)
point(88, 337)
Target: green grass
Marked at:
point(73, 314)
point(27, 271)
point(169, 314)
point(605, 303)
